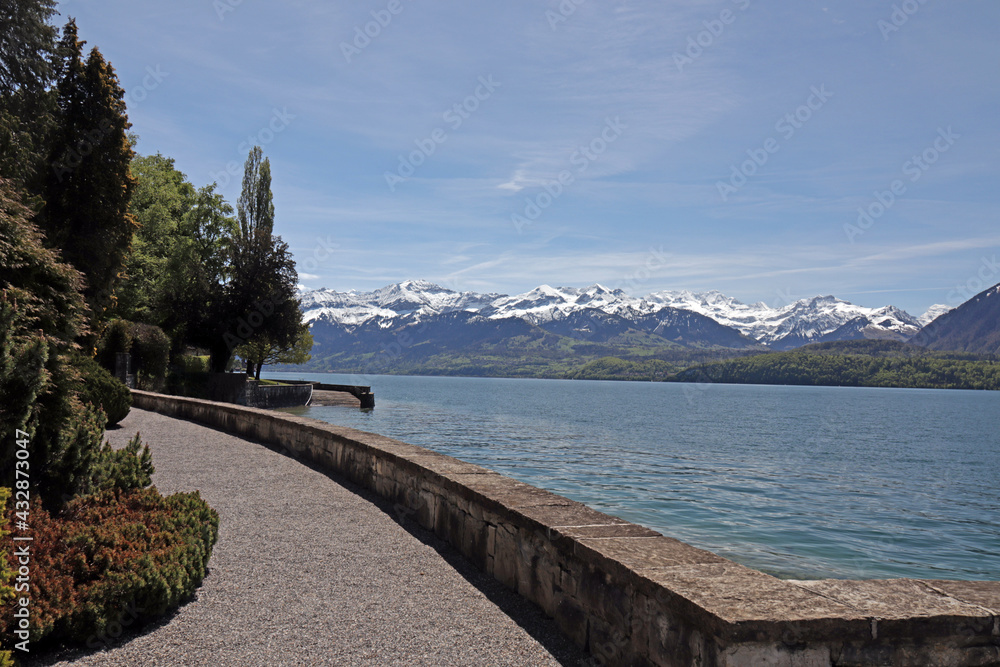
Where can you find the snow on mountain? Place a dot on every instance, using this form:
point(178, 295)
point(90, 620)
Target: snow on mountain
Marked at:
point(798, 323)
point(934, 312)
point(412, 297)
point(544, 304)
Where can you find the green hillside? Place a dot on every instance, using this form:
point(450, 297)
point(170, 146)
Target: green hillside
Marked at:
point(854, 364)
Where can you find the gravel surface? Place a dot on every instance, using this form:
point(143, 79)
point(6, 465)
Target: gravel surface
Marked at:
point(310, 570)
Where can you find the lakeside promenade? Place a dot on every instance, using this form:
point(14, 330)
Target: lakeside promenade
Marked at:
point(309, 570)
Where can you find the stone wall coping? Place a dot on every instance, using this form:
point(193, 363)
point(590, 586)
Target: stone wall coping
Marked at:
point(729, 601)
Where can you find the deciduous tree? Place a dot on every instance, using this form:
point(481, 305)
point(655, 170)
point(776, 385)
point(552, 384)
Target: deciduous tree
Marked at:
point(262, 287)
point(161, 200)
point(262, 350)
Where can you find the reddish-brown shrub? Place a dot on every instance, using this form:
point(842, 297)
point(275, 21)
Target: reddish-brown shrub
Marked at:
point(112, 553)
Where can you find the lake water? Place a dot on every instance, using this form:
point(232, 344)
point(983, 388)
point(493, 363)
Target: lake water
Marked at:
point(800, 482)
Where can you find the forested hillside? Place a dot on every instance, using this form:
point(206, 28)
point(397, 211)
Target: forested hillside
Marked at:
point(855, 364)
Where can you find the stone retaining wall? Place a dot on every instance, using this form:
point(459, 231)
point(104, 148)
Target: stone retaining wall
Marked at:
point(626, 593)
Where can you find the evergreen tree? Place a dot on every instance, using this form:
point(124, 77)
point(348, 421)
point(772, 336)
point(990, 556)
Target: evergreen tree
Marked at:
point(89, 184)
point(41, 315)
point(27, 44)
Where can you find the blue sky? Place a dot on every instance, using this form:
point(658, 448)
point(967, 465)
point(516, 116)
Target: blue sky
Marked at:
point(640, 144)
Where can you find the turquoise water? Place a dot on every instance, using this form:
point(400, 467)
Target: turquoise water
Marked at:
point(801, 482)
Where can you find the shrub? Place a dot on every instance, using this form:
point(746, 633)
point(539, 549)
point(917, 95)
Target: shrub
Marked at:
point(41, 317)
point(148, 345)
point(114, 555)
point(117, 338)
point(150, 355)
point(190, 363)
point(102, 390)
point(125, 469)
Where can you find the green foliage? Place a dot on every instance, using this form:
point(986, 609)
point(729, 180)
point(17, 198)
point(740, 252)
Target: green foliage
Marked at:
point(191, 303)
point(263, 350)
point(855, 364)
point(116, 339)
point(261, 293)
point(150, 355)
point(40, 318)
point(161, 200)
point(189, 363)
point(88, 187)
point(126, 469)
point(103, 390)
point(612, 368)
point(148, 345)
point(27, 44)
point(113, 553)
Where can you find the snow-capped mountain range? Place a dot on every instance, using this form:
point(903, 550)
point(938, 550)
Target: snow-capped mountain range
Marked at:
point(819, 319)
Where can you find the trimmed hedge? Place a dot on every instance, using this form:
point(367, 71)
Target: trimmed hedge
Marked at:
point(115, 555)
point(103, 390)
point(150, 355)
point(148, 345)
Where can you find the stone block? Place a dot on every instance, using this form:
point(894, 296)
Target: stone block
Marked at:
point(906, 611)
point(607, 598)
point(985, 594)
point(641, 554)
point(572, 620)
point(475, 541)
point(505, 557)
point(736, 604)
point(775, 655)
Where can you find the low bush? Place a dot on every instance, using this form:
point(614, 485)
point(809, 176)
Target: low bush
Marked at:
point(111, 556)
point(103, 390)
point(125, 469)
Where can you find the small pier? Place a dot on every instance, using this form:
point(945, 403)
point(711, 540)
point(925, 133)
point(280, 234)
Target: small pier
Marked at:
point(361, 392)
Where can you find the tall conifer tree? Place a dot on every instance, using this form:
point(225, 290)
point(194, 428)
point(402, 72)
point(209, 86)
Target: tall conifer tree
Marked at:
point(88, 185)
point(27, 44)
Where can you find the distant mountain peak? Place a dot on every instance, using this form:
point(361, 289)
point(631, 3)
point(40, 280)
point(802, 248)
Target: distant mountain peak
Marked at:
point(972, 327)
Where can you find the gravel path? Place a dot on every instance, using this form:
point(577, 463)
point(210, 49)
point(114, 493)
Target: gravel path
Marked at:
point(309, 570)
